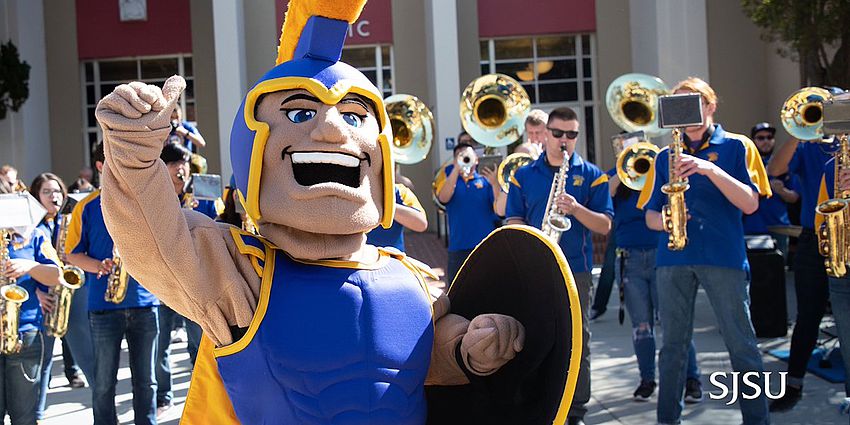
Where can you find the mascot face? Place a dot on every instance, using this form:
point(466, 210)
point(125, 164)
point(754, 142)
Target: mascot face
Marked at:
point(322, 164)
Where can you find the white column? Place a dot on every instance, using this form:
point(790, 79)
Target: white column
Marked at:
point(25, 135)
point(669, 38)
point(444, 73)
point(229, 71)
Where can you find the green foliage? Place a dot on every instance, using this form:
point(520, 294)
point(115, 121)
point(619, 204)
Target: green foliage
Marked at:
point(813, 32)
point(14, 78)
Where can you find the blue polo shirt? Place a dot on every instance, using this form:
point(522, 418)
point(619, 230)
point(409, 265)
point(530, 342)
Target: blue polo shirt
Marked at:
point(826, 190)
point(173, 137)
point(87, 234)
point(206, 207)
point(528, 195)
point(807, 163)
point(394, 236)
point(715, 229)
point(630, 229)
point(772, 210)
point(470, 211)
point(39, 249)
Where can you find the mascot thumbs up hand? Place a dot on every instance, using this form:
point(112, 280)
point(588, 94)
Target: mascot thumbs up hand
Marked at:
point(140, 107)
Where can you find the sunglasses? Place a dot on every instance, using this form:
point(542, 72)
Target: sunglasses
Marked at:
point(764, 138)
point(569, 134)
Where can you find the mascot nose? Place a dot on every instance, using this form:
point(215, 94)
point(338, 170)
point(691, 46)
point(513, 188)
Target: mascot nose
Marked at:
point(330, 127)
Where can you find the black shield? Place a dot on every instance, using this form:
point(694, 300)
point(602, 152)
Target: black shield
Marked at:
point(518, 272)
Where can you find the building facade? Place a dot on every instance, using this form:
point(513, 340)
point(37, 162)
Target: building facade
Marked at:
point(563, 52)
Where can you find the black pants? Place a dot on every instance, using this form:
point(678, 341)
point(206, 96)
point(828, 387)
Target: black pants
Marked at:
point(812, 289)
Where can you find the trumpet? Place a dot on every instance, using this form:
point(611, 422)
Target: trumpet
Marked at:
point(554, 222)
point(833, 237)
point(56, 321)
point(674, 215)
point(12, 296)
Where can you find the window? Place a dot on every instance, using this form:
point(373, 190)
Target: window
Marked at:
point(101, 77)
point(555, 70)
point(376, 62)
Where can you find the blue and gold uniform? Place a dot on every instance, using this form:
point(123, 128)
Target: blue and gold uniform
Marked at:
point(808, 164)
point(772, 210)
point(470, 211)
point(629, 225)
point(715, 229)
point(529, 194)
point(394, 236)
point(87, 234)
point(360, 358)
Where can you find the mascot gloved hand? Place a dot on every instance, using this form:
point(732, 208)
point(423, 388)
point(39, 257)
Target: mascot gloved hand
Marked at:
point(305, 324)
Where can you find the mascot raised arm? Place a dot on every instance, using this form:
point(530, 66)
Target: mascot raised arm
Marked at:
point(307, 324)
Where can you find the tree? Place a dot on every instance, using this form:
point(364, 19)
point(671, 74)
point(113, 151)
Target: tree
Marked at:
point(14, 79)
point(815, 33)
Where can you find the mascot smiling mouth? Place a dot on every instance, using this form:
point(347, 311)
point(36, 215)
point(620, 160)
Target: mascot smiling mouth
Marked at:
point(315, 167)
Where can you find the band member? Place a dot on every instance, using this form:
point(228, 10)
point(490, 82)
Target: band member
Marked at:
point(839, 288)
point(183, 132)
point(469, 198)
point(50, 191)
point(89, 246)
point(719, 166)
point(806, 161)
point(634, 268)
point(586, 201)
point(535, 133)
point(772, 211)
point(312, 318)
point(409, 214)
point(30, 262)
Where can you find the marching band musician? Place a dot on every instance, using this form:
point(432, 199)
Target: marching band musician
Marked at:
point(806, 161)
point(409, 214)
point(469, 198)
point(634, 268)
point(89, 247)
point(535, 133)
point(31, 262)
point(726, 177)
point(50, 190)
point(839, 288)
point(586, 199)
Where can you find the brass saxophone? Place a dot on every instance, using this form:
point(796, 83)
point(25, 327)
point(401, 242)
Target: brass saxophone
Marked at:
point(555, 222)
point(833, 237)
point(116, 286)
point(674, 215)
point(56, 322)
point(12, 296)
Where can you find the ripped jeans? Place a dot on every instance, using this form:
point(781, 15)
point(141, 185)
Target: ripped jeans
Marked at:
point(635, 271)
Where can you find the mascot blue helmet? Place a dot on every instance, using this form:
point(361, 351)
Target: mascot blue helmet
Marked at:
point(308, 58)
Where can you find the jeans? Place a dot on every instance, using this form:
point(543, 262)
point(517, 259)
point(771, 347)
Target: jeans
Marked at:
point(78, 340)
point(839, 293)
point(728, 293)
point(109, 327)
point(20, 380)
point(812, 289)
point(168, 319)
point(635, 269)
point(584, 284)
point(456, 259)
point(70, 365)
point(606, 276)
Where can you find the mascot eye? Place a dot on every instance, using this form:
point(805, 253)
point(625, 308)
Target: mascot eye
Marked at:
point(352, 119)
point(300, 115)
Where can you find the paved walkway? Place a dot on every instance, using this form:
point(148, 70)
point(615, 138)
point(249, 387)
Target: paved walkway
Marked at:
point(614, 373)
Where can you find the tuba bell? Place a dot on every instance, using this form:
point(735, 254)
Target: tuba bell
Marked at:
point(632, 101)
point(802, 114)
point(413, 128)
point(634, 163)
point(493, 109)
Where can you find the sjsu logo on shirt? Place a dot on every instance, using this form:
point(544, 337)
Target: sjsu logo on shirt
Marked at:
point(712, 156)
point(578, 180)
point(479, 185)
